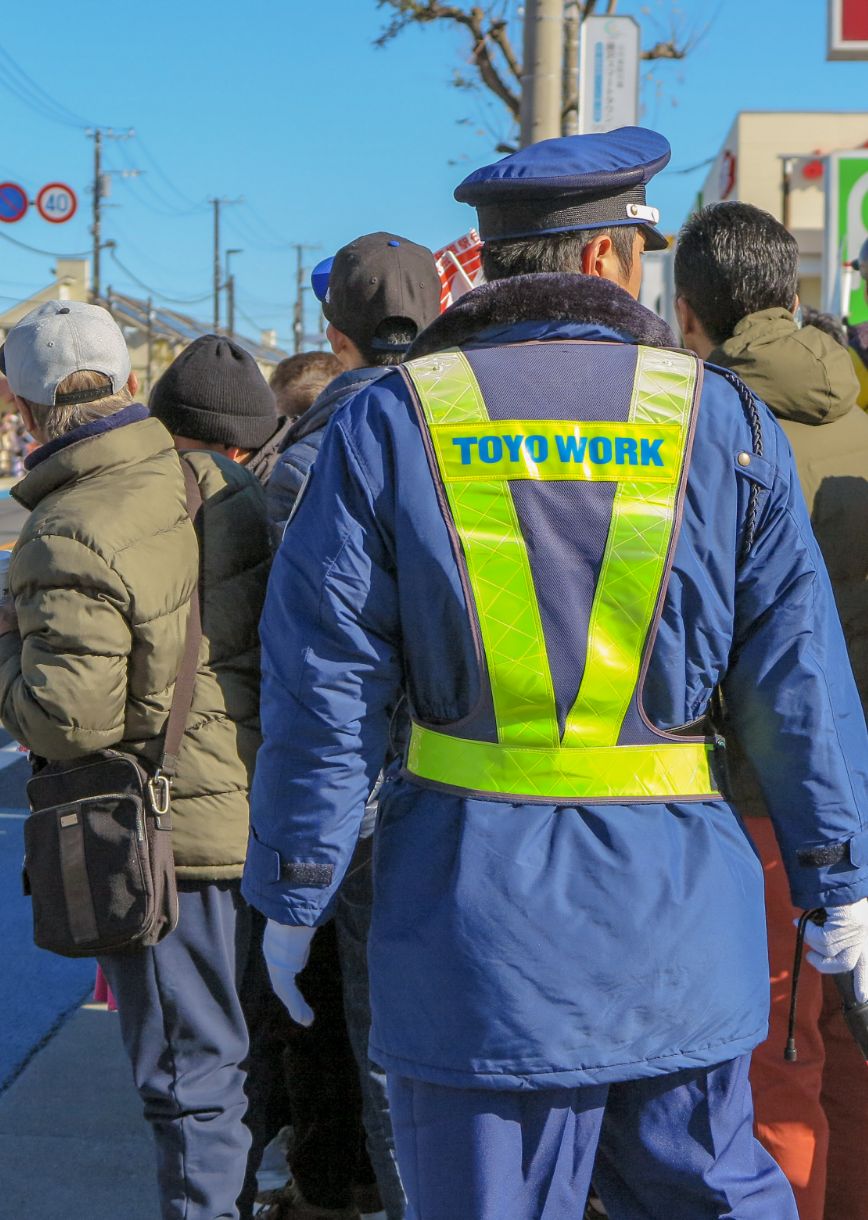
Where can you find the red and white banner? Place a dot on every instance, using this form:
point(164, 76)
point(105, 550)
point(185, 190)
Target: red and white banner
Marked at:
point(848, 29)
point(460, 267)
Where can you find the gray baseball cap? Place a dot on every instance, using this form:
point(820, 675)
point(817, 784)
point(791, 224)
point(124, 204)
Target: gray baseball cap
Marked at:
point(59, 338)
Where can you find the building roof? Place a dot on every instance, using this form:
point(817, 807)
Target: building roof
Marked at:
point(178, 327)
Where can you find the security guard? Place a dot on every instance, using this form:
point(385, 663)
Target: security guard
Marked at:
point(560, 538)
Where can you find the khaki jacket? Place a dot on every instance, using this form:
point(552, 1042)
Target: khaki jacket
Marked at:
point(807, 380)
point(101, 577)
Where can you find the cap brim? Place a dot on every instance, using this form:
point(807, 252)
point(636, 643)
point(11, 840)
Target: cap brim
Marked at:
point(654, 239)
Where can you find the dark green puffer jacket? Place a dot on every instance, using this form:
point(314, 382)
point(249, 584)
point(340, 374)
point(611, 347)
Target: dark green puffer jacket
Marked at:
point(101, 577)
point(807, 379)
point(215, 766)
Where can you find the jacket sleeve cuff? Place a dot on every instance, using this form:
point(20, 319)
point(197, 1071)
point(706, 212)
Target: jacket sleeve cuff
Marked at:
point(831, 874)
point(293, 892)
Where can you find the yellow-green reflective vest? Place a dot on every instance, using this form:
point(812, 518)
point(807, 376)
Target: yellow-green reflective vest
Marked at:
point(476, 458)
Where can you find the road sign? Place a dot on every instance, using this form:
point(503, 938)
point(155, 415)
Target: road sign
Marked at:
point(13, 202)
point(56, 203)
point(608, 74)
point(848, 29)
point(846, 230)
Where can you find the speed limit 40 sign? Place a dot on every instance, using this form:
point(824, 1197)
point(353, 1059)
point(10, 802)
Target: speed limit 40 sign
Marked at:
point(56, 203)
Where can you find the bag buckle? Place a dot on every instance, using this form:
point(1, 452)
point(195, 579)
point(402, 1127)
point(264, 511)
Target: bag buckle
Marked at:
point(159, 790)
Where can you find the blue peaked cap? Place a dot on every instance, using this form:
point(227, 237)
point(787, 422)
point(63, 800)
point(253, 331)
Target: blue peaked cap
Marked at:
point(319, 277)
point(573, 182)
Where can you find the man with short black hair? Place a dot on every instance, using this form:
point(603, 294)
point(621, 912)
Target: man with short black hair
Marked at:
point(736, 280)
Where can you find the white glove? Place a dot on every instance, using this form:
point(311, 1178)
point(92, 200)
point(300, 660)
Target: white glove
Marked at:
point(841, 944)
point(286, 949)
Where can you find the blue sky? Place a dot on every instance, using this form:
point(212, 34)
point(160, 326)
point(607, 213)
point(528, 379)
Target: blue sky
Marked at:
point(289, 105)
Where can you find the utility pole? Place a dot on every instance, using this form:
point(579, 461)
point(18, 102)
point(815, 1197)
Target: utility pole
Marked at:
point(542, 74)
point(298, 311)
point(230, 293)
point(150, 367)
point(96, 227)
point(100, 188)
point(572, 38)
point(217, 204)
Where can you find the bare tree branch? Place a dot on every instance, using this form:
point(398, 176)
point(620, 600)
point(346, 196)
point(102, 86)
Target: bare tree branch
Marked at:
point(666, 50)
point(500, 36)
point(487, 32)
point(493, 55)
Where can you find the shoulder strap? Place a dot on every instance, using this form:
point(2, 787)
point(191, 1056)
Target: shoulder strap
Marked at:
point(182, 699)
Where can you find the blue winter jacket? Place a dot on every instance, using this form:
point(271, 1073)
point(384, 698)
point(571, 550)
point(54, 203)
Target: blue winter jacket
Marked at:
point(303, 443)
point(522, 945)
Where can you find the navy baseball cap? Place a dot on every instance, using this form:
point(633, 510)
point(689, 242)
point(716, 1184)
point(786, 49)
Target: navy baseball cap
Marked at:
point(375, 277)
point(570, 183)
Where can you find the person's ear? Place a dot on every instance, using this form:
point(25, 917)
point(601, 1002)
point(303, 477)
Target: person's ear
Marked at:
point(344, 348)
point(596, 257)
point(692, 331)
point(133, 384)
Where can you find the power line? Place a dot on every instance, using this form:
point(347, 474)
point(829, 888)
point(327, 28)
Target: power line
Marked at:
point(154, 291)
point(690, 169)
point(280, 238)
point(243, 228)
point(149, 156)
point(19, 83)
point(166, 207)
point(252, 321)
point(38, 250)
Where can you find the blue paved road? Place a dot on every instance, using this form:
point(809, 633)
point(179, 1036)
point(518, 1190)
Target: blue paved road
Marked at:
point(36, 988)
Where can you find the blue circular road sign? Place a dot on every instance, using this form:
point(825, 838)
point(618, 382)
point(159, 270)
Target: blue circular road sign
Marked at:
point(13, 202)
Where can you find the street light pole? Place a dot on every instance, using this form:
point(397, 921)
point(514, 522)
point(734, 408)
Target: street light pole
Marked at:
point(542, 71)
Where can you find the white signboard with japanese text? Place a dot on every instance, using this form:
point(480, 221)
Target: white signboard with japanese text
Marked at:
point(608, 74)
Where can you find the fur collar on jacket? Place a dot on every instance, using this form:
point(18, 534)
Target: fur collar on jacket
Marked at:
point(543, 298)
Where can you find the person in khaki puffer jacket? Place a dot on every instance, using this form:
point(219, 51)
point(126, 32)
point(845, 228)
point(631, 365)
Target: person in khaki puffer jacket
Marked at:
point(736, 272)
point(101, 579)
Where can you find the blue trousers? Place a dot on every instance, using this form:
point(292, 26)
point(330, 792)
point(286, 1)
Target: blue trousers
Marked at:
point(674, 1147)
point(353, 923)
point(184, 1032)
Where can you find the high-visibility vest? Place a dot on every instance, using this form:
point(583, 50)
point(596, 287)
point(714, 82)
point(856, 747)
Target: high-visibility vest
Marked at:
point(475, 459)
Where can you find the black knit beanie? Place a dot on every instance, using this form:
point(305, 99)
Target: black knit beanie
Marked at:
point(214, 392)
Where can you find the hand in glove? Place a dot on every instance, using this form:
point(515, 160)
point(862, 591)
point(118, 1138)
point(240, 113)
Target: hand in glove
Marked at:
point(841, 944)
point(286, 948)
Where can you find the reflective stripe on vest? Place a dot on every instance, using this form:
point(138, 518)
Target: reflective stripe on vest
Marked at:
point(476, 458)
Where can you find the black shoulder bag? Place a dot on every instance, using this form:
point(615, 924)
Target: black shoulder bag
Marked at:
point(98, 860)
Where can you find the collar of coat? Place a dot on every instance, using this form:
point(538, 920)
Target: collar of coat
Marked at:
point(126, 444)
point(579, 299)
